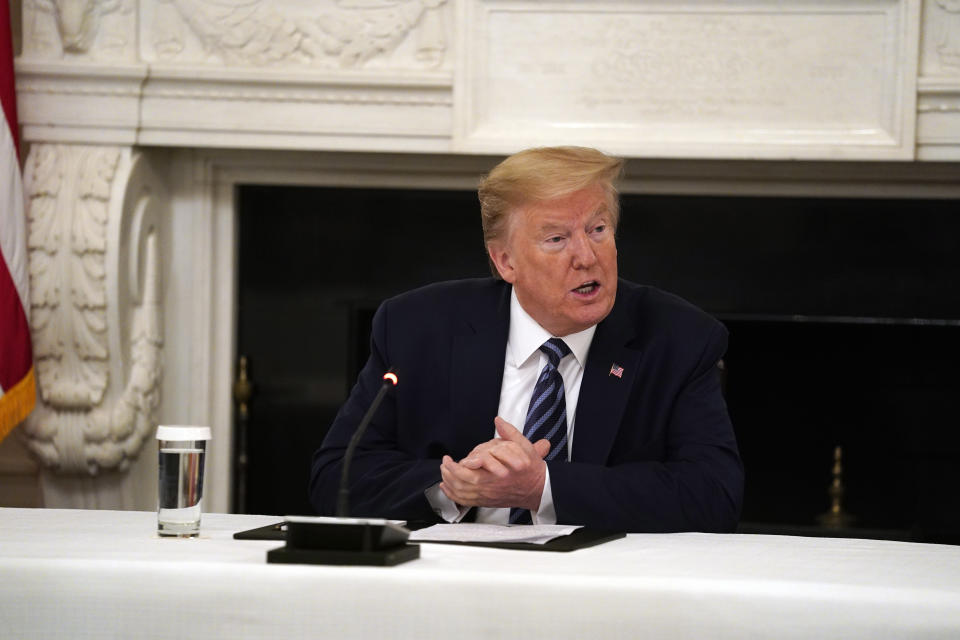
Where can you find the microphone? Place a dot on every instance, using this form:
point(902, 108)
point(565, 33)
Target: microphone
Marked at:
point(343, 540)
point(343, 497)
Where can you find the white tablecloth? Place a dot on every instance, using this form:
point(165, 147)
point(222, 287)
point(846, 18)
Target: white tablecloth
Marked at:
point(105, 574)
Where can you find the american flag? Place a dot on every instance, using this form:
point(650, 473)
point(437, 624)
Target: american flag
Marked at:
point(616, 370)
point(17, 385)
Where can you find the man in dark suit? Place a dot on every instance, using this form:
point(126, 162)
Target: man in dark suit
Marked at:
point(554, 392)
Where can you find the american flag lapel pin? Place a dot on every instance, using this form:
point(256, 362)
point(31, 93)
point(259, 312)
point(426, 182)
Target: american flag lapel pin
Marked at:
point(616, 370)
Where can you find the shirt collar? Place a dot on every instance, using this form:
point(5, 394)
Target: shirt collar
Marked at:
point(526, 336)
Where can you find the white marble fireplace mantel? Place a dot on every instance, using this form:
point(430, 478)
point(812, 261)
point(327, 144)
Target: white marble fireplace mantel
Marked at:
point(141, 116)
point(837, 79)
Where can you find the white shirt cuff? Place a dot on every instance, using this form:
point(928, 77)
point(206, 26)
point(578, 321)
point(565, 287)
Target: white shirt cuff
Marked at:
point(546, 514)
point(444, 507)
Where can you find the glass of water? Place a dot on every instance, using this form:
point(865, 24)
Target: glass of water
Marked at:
point(180, 490)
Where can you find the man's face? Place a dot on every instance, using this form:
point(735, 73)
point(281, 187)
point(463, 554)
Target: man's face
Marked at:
point(561, 257)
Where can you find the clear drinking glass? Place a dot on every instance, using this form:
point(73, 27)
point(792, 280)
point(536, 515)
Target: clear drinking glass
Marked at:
point(180, 488)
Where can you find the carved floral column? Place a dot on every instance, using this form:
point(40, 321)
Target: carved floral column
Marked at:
point(95, 311)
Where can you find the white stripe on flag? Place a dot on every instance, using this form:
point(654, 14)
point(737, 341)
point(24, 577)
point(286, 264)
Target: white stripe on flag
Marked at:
point(13, 232)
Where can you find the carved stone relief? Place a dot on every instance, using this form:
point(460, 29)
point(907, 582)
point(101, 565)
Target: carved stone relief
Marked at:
point(673, 77)
point(95, 311)
point(328, 34)
point(947, 37)
point(98, 29)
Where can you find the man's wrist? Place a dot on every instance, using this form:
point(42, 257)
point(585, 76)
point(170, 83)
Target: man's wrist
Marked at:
point(533, 503)
point(444, 507)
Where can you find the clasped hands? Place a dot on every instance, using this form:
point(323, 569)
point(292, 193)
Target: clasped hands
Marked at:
point(508, 471)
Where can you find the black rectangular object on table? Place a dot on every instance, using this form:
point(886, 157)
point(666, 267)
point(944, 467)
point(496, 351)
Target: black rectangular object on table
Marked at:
point(337, 541)
point(372, 558)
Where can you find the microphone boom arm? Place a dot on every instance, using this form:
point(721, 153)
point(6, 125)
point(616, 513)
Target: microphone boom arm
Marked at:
point(343, 497)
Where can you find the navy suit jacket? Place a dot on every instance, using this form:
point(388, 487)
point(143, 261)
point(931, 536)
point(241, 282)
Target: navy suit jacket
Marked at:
point(654, 449)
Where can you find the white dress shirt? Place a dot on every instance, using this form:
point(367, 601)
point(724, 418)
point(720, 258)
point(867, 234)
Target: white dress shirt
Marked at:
point(523, 361)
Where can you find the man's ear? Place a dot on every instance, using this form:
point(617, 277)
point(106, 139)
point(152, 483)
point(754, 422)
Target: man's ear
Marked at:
point(501, 257)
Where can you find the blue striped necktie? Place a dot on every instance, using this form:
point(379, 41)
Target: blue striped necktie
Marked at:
point(547, 415)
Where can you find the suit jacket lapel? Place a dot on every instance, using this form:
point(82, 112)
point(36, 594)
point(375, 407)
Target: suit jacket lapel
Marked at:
point(603, 396)
point(477, 371)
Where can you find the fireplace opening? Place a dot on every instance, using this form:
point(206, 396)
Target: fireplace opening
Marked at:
point(844, 329)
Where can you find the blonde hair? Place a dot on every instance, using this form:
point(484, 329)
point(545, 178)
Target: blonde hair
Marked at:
point(539, 175)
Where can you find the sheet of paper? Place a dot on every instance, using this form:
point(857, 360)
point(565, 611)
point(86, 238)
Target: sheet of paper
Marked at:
point(476, 532)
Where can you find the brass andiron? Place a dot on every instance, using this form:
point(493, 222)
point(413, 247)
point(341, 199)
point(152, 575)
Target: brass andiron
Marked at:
point(242, 389)
point(836, 518)
point(242, 392)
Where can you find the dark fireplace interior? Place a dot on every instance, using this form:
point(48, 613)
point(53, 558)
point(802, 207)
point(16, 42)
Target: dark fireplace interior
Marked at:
point(843, 314)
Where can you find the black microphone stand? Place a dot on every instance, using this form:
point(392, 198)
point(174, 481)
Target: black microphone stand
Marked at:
point(343, 497)
point(343, 540)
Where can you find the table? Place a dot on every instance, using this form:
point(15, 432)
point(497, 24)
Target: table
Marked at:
point(105, 574)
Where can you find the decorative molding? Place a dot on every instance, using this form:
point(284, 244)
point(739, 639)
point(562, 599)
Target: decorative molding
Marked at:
point(948, 38)
point(942, 107)
point(295, 110)
point(166, 105)
point(768, 79)
point(400, 35)
point(940, 47)
point(938, 118)
point(927, 85)
point(278, 95)
point(59, 89)
point(72, 101)
point(95, 309)
point(317, 96)
point(68, 194)
point(938, 96)
point(92, 29)
point(332, 33)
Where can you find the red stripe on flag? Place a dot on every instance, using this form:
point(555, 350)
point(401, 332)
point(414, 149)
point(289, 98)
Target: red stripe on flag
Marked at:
point(8, 94)
point(17, 382)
